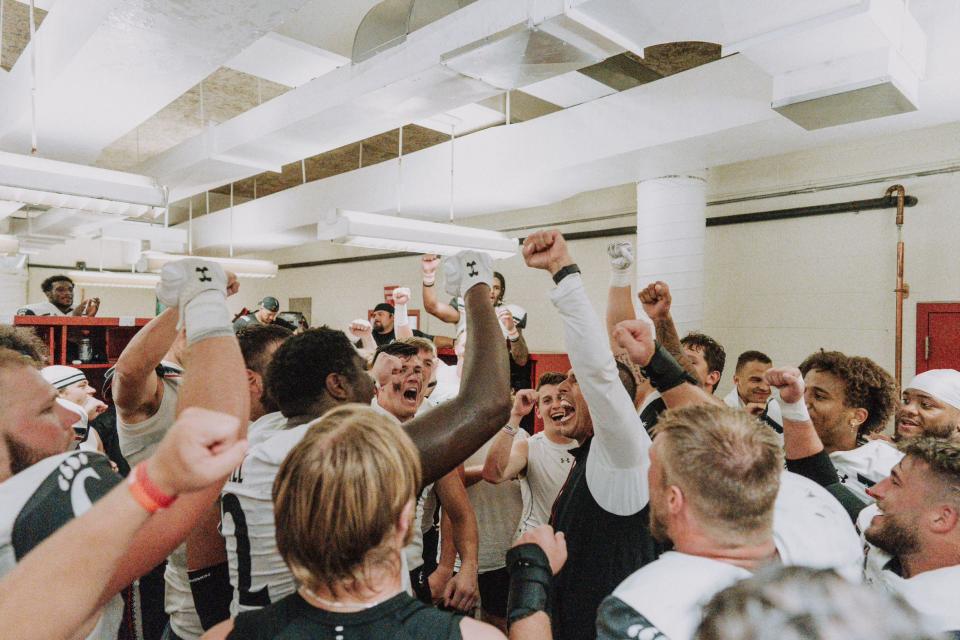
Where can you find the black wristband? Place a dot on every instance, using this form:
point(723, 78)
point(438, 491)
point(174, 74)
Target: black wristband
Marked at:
point(212, 593)
point(564, 272)
point(530, 578)
point(664, 372)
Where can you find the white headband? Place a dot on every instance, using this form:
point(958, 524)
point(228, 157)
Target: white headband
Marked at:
point(942, 384)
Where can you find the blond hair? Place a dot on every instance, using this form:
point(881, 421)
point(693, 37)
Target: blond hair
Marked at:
point(422, 344)
point(339, 496)
point(726, 462)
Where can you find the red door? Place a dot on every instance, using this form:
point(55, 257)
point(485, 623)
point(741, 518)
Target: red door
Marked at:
point(938, 336)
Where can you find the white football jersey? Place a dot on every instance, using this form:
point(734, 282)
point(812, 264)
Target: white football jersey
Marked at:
point(932, 593)
point(264, 428)
point(257, 572)
point(39, 500)
point(810, 529)
point(865, 466)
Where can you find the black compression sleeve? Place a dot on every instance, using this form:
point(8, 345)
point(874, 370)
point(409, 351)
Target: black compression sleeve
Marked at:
point(212, 593)
point(817, 467)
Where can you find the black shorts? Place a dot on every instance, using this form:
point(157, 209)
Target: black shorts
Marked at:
point(494, 586)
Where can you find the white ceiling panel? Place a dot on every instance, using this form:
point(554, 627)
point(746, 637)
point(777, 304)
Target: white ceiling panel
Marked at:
point(285, 60)
point(568, 89)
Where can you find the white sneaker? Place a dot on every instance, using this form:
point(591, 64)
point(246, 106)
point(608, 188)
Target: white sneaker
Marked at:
point(182, 280)
point(466, 269)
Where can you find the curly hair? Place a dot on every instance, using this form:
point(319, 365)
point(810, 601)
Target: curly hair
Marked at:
point(297, 374)
point(25, 342)
point(866, 385)
point(47, 285)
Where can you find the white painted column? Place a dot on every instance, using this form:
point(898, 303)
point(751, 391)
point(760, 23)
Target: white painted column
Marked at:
point(13, 293)
point(671, 230)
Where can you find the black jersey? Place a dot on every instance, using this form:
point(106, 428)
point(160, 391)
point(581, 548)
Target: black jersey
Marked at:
point(401, 617)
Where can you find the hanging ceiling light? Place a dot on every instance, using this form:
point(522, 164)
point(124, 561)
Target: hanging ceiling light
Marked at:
point(374, 231)
point(114, 279)
point(52, 183)
point(153, 261)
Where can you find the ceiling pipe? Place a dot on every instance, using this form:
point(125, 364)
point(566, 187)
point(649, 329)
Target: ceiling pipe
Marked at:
point(902, 290)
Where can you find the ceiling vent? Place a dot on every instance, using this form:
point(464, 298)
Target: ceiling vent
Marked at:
point(389, 23)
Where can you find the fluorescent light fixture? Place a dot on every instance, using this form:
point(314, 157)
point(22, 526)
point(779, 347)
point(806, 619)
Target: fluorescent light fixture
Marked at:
point(243, 267)
point(114, 279)
point(9, 244)
point(43, 182)
point(374, 231)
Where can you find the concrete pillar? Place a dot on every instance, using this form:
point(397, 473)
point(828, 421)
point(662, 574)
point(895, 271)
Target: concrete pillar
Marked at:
point(671, 219)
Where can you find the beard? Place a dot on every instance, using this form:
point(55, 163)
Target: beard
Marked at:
point(658, 526)
point(21, 456)
point(893, 536)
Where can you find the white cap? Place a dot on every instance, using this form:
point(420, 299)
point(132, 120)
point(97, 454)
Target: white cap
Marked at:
point(942, 384)
point(61, 376)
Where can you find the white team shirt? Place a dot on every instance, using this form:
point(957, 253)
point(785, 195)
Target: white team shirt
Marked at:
point(264, 428)
point(423, 519)
point(498, 508)
point(548, 465)
point(932, 593)
point(665, 598)
point(45, 308)
point(865, 466)
point(39, 500)
point(257, 572)
point(138, 442)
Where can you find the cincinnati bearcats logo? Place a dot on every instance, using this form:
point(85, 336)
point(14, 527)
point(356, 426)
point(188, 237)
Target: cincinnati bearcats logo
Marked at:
point(473, 271)
point(203, 274)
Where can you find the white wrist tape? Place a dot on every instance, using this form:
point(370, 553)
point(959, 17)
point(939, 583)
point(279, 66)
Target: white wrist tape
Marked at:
point(400, 317)
point(794, 411)
point(620, 278)
point(206, 316)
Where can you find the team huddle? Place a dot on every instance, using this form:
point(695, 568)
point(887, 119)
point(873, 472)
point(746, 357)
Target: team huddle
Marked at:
point(352, 485)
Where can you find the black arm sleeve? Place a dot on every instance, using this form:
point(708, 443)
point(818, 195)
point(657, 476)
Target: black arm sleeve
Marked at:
point(817, 467)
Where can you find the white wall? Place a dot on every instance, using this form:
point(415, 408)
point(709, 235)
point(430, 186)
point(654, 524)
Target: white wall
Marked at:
point(786, 287)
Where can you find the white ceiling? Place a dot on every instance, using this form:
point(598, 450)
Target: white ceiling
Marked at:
point(112, 71)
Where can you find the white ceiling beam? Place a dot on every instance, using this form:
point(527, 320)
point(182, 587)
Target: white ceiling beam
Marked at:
point(105, 66)
point(400, 85)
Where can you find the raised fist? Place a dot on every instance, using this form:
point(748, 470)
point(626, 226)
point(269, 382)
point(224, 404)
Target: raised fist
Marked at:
point(524, 402)
point(233, 285)
point(428, 268)
point(546, 250)
point(360, 328)
point(201, 448)
point(656, 300)
point(401, 296)
point(507, 322)
point(789, 381)
point(385, 368)
point(636, 338)
point(621, 255)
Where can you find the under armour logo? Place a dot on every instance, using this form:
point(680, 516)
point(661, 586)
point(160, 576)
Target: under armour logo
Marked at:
point(204, 277)
point(473, 272)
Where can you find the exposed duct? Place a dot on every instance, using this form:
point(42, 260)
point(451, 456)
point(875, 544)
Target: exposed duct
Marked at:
point(388, 23)
point(433, 70)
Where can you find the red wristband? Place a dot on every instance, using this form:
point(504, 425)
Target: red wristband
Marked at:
point(146, 492)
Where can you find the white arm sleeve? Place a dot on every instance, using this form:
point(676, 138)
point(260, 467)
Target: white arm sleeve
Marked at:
point(619, 455)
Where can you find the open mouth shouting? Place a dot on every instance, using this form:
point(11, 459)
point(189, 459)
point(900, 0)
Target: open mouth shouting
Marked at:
point(566, 414)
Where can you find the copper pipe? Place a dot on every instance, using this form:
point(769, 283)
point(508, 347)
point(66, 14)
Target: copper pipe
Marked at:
point(902, 290)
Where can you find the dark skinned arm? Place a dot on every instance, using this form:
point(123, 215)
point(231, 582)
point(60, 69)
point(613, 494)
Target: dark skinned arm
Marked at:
point(452, 432)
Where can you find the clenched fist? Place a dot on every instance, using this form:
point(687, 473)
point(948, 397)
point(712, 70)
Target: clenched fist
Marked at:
point(656, 300)
point(546, 250)
point(789, 381)
point(636, 338)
